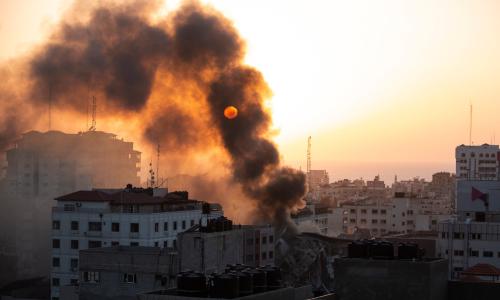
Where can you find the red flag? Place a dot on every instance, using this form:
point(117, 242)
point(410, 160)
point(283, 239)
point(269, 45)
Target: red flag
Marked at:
point(477, 194)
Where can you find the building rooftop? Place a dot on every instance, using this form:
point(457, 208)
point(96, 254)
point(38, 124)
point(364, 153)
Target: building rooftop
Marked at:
point(482, 270)
point(125, 249)
point(126, 196)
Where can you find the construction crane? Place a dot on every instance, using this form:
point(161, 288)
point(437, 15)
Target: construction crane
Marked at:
point(308, 174)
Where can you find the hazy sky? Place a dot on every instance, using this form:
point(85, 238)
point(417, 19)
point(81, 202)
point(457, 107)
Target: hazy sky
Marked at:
point(381, 86)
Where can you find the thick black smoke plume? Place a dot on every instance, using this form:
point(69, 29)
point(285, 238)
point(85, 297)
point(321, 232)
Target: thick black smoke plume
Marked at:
point(176, 75)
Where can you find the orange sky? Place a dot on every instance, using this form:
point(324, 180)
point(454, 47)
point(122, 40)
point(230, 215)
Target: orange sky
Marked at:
point(382, 86)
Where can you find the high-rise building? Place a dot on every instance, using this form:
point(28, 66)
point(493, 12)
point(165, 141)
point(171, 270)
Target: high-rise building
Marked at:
point(128, 217)
point(42, 166)
point(477, 162)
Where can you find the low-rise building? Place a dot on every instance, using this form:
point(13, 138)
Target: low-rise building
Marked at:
point(122, 272)
point(210, 248)
point(312, 218)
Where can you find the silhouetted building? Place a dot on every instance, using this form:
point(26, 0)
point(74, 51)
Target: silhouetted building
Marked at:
point(42, 166)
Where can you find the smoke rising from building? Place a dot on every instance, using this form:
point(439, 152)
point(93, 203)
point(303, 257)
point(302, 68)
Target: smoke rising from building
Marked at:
point(175, 75)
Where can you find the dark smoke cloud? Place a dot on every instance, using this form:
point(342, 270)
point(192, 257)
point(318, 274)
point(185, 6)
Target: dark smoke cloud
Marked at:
point(176, 75)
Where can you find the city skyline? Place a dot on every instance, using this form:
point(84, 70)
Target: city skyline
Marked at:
point(405, 102)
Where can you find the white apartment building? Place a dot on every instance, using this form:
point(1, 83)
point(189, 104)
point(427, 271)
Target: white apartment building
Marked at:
point(388, 216)
point(312, 218)
point(477, 162)
point(317, 178)
point(129, 217)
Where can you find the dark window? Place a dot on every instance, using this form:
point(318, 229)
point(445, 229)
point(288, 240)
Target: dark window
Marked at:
point(175, 225)
point(353, 211)
point(73, 281)
point(165, 244)
point(264, 255)
point(95, 226)
point(474, 253)
point(165, 226)
point(134, 244)
point(374, 211)
point(458, 252)
point(487, 253)
point(271, 254)
point(74, 244)
point(74, 263)
point(55, 281)
point(56, 261)
point(134, 227)
point(183, 225)
point(157, 227)
point(115, 243)
point(156, 244)
point(115, 227)
point(56, 225)
point(91, 276)
point(192, 223)
point(95, 244)
point(271, 239)
point(383, 211)
point(129, 278)
point(264, 240)
point(56, 244)
point(74, 225)
point(174, 244)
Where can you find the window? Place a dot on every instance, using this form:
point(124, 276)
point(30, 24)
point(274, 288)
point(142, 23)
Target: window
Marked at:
point(264, 240)
point(156, 244)
point(264, 255)
point(271, 254)
point(383, 221)
point(474, 253)
point(115, 243)
point(129, 278)
point(363, 221)
point(363, 211)
point(458, 235)
point(174, 244)
point(73, 281)
point(157, 227)
point(192, 223)
point(352, 211)
point(95, 244)
point(374, 211)
point(183, 224)
point(383, 211)
point(56, 225)
point(91, 277)
point(165, 244)
point(175, 225)
point(487, 253)
point(74, 244)
point(115, 227)
point(56, 261)
point(374, 221)
point(134, 227)
point(271, 239)
point(458, 252)
point(165, 226)
point(55, 281)
point(74, 225)
point(56, 243)
point(74, 263)
point(352, 220)
point(95, 226)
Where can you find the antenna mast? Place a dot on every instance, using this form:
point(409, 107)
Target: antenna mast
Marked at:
point(158, 161)
point(151, 174)
point(50, 107)
point(309, 162)
point(470, 126)
point(94, 108)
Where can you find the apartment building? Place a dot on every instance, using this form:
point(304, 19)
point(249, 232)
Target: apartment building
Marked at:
point(127, 217)
point(477, 162)
point(400, 214)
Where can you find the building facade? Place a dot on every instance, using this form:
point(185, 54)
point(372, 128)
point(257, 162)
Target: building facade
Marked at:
point(209, 249)
point(128, 217)
point(42, 166)
point(477, 162)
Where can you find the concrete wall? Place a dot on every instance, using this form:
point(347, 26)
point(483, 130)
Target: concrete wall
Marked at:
point(458, 290)
point(368, 279)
